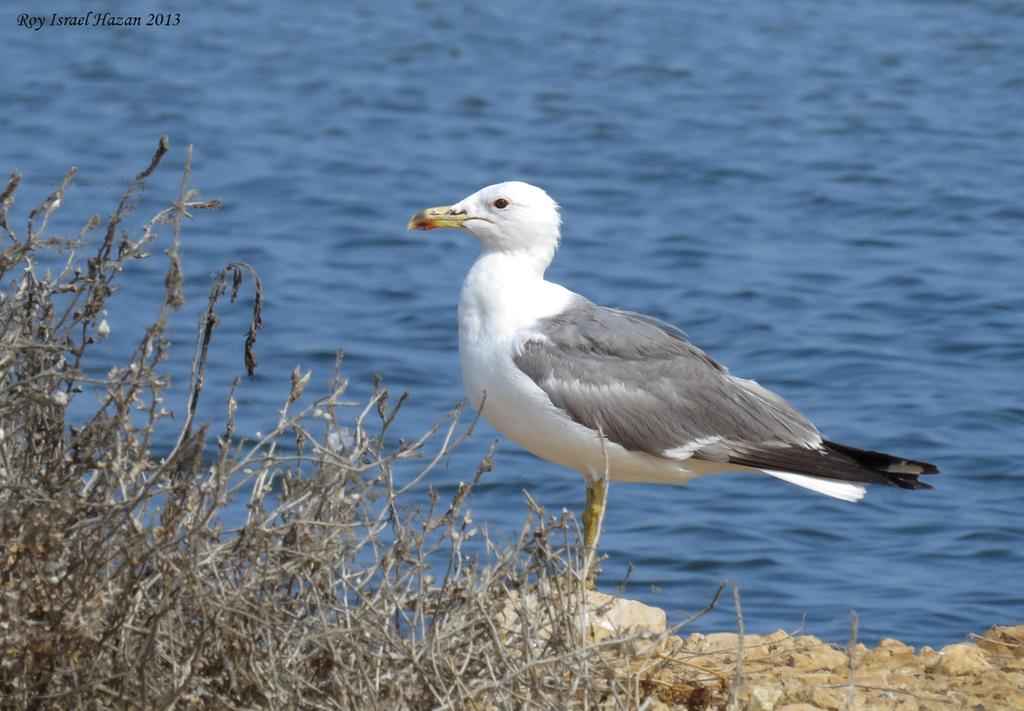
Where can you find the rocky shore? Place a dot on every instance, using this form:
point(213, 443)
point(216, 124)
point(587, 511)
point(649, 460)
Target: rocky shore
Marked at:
point(786, 672)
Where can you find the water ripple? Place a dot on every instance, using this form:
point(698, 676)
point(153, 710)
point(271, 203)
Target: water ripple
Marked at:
point(828, 201)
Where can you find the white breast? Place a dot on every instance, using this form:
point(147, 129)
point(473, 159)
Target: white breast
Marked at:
point(499, 308)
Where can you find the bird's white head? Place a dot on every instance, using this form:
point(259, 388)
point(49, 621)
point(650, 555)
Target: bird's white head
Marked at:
point(512, 217)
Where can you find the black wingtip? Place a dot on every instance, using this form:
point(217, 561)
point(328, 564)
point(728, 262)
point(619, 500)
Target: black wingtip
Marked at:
point(898, 471)
point(910, 481)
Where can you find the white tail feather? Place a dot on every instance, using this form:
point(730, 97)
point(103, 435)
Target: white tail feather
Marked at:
point(835, 488)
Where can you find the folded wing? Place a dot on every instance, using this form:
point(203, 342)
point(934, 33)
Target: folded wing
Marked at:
point(651, 391)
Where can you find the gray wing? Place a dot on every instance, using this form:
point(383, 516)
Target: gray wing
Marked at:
point(648, 388)
point(651, 391)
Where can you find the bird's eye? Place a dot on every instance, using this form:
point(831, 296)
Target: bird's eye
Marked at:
point(500, 203)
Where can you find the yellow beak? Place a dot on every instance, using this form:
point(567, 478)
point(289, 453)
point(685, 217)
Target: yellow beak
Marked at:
point(434, 217)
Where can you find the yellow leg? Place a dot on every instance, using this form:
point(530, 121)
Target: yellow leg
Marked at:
point(593, 514)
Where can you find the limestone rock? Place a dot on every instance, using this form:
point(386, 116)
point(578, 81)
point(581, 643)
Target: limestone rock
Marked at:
point(755, 646)
point(606, 616)
point(1005, 641)
point(678, 646)
point(610, 616)
point(906, 703)
point(728, 642)
point(818, 657)
point(789, 673)
point(872, 676)
point(961, 659)
point(892, 655)
point(830, 699)
point(929, 657)
point(779, 641)
point(694, 641)
point(894, 647)
point(763, 698)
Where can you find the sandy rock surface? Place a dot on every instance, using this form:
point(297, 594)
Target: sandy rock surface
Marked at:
point(783, 672)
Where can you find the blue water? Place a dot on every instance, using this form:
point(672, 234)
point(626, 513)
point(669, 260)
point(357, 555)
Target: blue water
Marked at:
point(828, 197)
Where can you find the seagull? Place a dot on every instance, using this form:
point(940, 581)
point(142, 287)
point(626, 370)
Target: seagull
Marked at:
point(614, 394)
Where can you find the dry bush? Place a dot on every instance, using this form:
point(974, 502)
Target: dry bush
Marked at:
point(121, 586)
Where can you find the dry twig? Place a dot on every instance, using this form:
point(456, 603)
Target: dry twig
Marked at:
point(346, 585)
